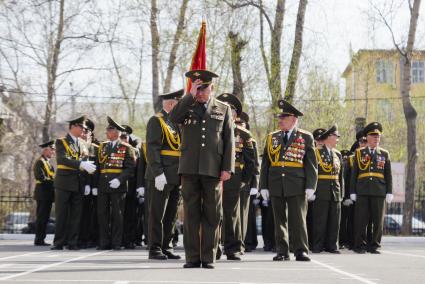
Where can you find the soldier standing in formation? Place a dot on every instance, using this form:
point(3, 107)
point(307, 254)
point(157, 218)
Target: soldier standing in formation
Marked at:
point(207, 160)
point(70, 155)
point(44, 193)
point(289, 175)
point(327, 199)
point(116, 165)
point(163, 180)
point(371, 186)
point(234, 230)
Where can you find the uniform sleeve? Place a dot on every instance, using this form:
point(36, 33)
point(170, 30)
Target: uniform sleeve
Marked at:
point(341, 176)
point(249, 160)
point(264, 172)
point(310, 164)
point(39, 174)
point(388, 175)
point(179, 111)
point(354, 174)
point(61, 157)
point(228, 163)
point(141, 169)
point(153, 146)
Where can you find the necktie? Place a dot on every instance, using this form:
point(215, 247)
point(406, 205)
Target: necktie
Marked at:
point(285, 137)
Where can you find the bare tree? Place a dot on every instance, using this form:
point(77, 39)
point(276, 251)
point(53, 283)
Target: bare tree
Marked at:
point(155, 43)
point(296, 52)
point(237, 45)
point(410, 113)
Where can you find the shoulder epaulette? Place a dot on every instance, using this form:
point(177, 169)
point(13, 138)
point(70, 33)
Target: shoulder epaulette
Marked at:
point(304, 131)
point(337, 151)
point(243, 129)
point(274, 132)
point(159, 114)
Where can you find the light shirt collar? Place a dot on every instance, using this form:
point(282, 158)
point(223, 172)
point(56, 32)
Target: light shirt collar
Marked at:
point(75, 139)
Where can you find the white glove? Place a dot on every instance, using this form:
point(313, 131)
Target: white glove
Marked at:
point(353, 197)
point(310, 194)
point(115, 183)
point(347, 202)
point(253, 191)
point(94, 191)
point(87, 190)
point(389, 198)
point(256, 201)
point(265, 194)
point(140, 191)
point(88, 166)
point(160, 182)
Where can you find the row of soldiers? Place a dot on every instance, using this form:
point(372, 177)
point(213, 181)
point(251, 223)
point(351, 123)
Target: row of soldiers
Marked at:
point(198, 147)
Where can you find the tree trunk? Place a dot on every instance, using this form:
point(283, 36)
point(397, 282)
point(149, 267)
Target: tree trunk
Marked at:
point(275, 84)
point(237, 45)
point(175, 46)
point(52, 67)
point(410, 115)
point(296, 52)
point(155, 56)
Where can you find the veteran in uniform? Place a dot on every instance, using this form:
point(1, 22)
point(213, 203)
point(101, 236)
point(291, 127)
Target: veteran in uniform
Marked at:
point(233, 229)
point(371, 186)
point(116, 163)
point(329, 192)
point(289, 175)
point(44, 193)
point(207, 160)
point(163, 180)
point(70, 154)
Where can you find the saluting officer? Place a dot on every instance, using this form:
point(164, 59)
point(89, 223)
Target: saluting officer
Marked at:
point(371, 185)
point(288, 175)
point(207, 159)
point(327, 199)
point(116, 165)
point(44, 193)
point(70, 155)
point(163, 180)
point(233, 230)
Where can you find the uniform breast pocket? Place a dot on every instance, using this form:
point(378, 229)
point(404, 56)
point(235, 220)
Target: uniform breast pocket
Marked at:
point(215, 124)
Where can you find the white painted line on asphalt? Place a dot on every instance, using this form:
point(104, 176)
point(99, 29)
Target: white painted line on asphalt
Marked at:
point(4, 265)
point(44, 267)
point(156, 281)
point(403, 254)
point(53, 255)
point(342, 272)
point(121, 282)
point(25, 254)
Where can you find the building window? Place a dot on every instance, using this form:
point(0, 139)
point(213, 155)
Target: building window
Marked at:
point(384, 71)
point(418, 72)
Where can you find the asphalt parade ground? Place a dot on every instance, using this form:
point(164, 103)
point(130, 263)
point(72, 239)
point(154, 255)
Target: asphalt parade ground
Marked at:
point(402, 261)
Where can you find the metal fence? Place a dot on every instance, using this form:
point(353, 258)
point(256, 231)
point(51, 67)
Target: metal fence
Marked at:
point(17, 211)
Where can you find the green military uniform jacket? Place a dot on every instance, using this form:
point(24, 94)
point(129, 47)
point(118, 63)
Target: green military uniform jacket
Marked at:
point(207, 145)
point(68, 158)
point(371, 175)
point(330, 184)
point(44, 174)
point(162, 148)
point(114, 162)
point(244, 159)
point(289, 169)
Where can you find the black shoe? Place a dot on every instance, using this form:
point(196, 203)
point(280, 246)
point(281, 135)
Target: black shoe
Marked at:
point(233, 256)
point(171, 255)
point(116, 247)
point(207, 265)
point(267, 248)
point(192, 265)
point(41, 244)
point(158, 256)
point(73, 247)
point(302, 257)
point(316, 251)
point(130, 246)
point(56, 248)
point(103, 248)
point(374, 251)
point(359, 250)
point(281, 257)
